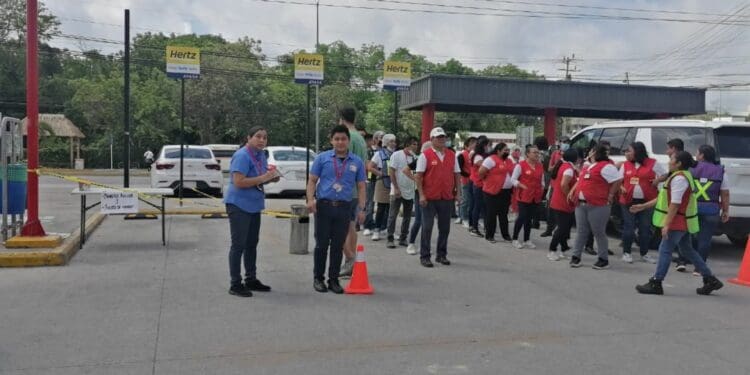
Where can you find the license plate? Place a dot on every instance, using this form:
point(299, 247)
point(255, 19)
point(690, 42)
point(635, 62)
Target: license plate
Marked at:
point(189, 184)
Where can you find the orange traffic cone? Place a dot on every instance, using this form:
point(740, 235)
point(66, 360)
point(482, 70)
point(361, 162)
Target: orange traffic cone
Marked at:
point(359, 284)
point(743, 275)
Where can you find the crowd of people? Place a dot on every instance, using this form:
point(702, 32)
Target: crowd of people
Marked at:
point(366, 183)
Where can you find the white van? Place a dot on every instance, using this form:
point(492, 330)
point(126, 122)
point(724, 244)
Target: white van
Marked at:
point(223, 154)
point(731, 140)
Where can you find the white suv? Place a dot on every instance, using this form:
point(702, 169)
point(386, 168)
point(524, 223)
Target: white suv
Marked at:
point(731, 140)
point(201, 172)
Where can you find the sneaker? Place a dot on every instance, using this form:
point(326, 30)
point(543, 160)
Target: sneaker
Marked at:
point(390, 244)
point(367, 232)
point(627, 258)
point(257, 286)
point(320, 286)
point(561, 254)
point(443, 260)
point(648, 259)
point(600, 264)
point(575, 261)
point(610, 252)
point(466, 225)
point(426, 263)
point(529, 244)
point(589, 250)
point(651, 287)
point(240, 291)
point(710, 284)
point(552, 255)
point(346, 269)
point(411, 249)
point(517, 244)
point(507, 238)
point(458, 221)
point(475, 232)
point(403, 243)
point(545, 234)
point(492, 240)
point(680, 267)
point(376, 236)
point(335, 287)
point(696, 274)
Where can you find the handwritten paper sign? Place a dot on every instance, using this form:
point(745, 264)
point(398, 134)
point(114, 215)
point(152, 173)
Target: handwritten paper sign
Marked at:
point(119, 202)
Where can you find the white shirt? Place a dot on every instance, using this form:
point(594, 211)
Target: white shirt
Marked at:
point(517, 174)
point(399, 161)
point(659, 170)
point(422, 162)
point(489, 163)
point(379, 161)
point(678, 185)
point(609, 173)
point(148, 155)
point(570, 172)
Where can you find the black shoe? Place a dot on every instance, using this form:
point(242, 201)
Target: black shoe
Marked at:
point(564, 247)
point(651, 287)
point(426, 263)
point(601, 264)
point(443, 260)
point(333, 286)
point(710, 284)
point(589, 250)
point(545, 234)
point(475, 232)
point(507, 238)
point(240, 291)
point(681, 267)
point(575, 261)
point(403, 243)
point(390, 244)
point(320, 286)
point(257, 286)
point(492, 240)
point(610, 252)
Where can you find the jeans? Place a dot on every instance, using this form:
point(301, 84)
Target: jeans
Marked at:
point(395, 207)
point(561, 235)
point(477, 209)
point(526, 212)
point(592, 220)
point(244, 228)
point(468, 202)
point(640, 220)
point(417, 220)
point(441, 209)
point(331, 227)
point(381, 217)
point(679, 239)
point(702, 239)
point(370, 206)
point(497, 210)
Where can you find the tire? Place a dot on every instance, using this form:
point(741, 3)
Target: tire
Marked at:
point(738, 241)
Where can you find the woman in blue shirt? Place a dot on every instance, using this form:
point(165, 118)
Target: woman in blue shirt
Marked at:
point(245, 200)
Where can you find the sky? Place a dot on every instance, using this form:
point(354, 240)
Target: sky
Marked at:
point(708, 48)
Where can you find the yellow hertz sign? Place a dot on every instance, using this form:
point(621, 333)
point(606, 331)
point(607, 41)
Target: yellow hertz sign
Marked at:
point(396, 75)
point(183, 62)
point(308, 68)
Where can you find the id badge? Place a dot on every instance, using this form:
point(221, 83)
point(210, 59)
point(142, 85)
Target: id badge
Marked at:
point(587, 176)
point(337, 187)
point(634, 180)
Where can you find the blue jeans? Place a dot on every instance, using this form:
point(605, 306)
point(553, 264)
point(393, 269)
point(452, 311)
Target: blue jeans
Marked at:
point(630, 221)
point(702, 239)
point(477, 208)
point(468, 201)
point(370, 206)
point(244, 228)
point(679, 239)
point(417, 225)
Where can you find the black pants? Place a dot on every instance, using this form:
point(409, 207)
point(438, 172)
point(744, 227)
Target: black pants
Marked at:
point(244, 228)
point(441, 209)
point(526, 212)
point(561, 235)
point(496, 210)
point(551, 217)
point(381, 217)
point(331, 227)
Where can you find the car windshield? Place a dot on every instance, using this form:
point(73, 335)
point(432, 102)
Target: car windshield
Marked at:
point(733, 141)
point(692, 137)
point(190, 153)
point(291, 155)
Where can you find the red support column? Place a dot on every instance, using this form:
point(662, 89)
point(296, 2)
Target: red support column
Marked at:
point(32, 227)
point(550, 123)
point(428, 121)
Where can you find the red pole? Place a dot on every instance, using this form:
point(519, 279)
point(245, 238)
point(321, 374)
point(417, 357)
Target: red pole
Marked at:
point(428, 121)
point(550, 123)
point(32, 227)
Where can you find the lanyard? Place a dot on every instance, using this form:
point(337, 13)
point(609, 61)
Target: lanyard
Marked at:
point(338, 172)
point(256, 162)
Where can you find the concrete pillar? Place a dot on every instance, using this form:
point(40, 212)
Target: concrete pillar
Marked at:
point(428, 121)
point(550, 122)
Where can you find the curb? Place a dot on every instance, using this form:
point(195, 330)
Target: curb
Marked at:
point(58, 256)
point(97, 172)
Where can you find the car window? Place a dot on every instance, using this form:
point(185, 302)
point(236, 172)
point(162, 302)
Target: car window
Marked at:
point(224, 153)
point(291, 155)
point(692, 137)
point(190, 153)
point(733, 141)
point(584, 140)
point(616, 138)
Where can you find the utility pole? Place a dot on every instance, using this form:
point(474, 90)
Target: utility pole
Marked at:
point(567, 61)
point(627, 79)
point(126, 102)
point(317, 87)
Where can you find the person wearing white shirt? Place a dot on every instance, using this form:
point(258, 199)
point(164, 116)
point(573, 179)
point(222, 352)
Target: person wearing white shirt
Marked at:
point(402, 190)
point(378, 166)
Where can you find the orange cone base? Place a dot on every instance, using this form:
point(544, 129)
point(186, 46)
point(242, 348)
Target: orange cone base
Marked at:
point(740, 282)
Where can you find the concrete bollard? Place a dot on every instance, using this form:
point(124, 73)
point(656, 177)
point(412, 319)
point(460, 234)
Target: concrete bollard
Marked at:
point(300, 230)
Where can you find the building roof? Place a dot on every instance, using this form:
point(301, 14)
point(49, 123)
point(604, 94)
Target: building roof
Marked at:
point(60, 125)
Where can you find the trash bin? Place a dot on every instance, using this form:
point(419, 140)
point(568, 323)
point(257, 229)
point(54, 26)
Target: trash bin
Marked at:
point(17, 177)
point(79, 164)
point(300, 229)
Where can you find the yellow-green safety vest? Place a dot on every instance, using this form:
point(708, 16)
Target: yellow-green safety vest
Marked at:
point(662, 204)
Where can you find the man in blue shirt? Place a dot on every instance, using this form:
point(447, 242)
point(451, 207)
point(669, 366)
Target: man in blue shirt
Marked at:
point(333, 178)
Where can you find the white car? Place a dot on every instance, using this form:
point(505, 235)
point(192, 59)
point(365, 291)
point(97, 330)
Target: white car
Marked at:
point(223, 154)
point(201, 171)
point(291, 162)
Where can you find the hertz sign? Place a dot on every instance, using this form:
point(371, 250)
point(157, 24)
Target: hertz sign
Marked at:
point(183, 62)
point(396, 75)
point(308, 68)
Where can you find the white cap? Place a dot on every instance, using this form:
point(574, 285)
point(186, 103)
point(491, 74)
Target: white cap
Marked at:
point(436, 132)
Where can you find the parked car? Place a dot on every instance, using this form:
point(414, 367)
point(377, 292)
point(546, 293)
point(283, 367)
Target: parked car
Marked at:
point(291, 163)
point(223, 154)
point(201, 172)
point(731, 140)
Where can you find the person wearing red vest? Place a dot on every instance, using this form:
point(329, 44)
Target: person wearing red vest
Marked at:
point(564, 176)
point(595, 192)
point(674, 232)
point(497, 187)
point(477, 157)
point(638, 172)
point(466, 186)
point(528, 178)
point(438, 178)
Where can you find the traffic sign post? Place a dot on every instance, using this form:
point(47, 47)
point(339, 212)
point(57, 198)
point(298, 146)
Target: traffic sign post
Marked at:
point(309, 70)
point(396, 77)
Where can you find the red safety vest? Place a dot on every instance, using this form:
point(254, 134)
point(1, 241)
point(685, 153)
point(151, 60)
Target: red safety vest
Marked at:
point(643, 176)
point(532, 178)
point(474, 175)
point(495, 178)
point(593, 185)
point(465, 168)
point(680, 221)
point(438, 181)
point(559, 200)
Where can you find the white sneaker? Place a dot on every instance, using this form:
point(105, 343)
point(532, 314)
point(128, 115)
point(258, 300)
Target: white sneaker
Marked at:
point(366, 232)
point(466, 224)
point(529, 245)
point(376, 236)
point(561, 255)
point(517, 244)
point(458, 221)
point(411, 249)
point(627, 258)
point(553, 256)
point(648, 259)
